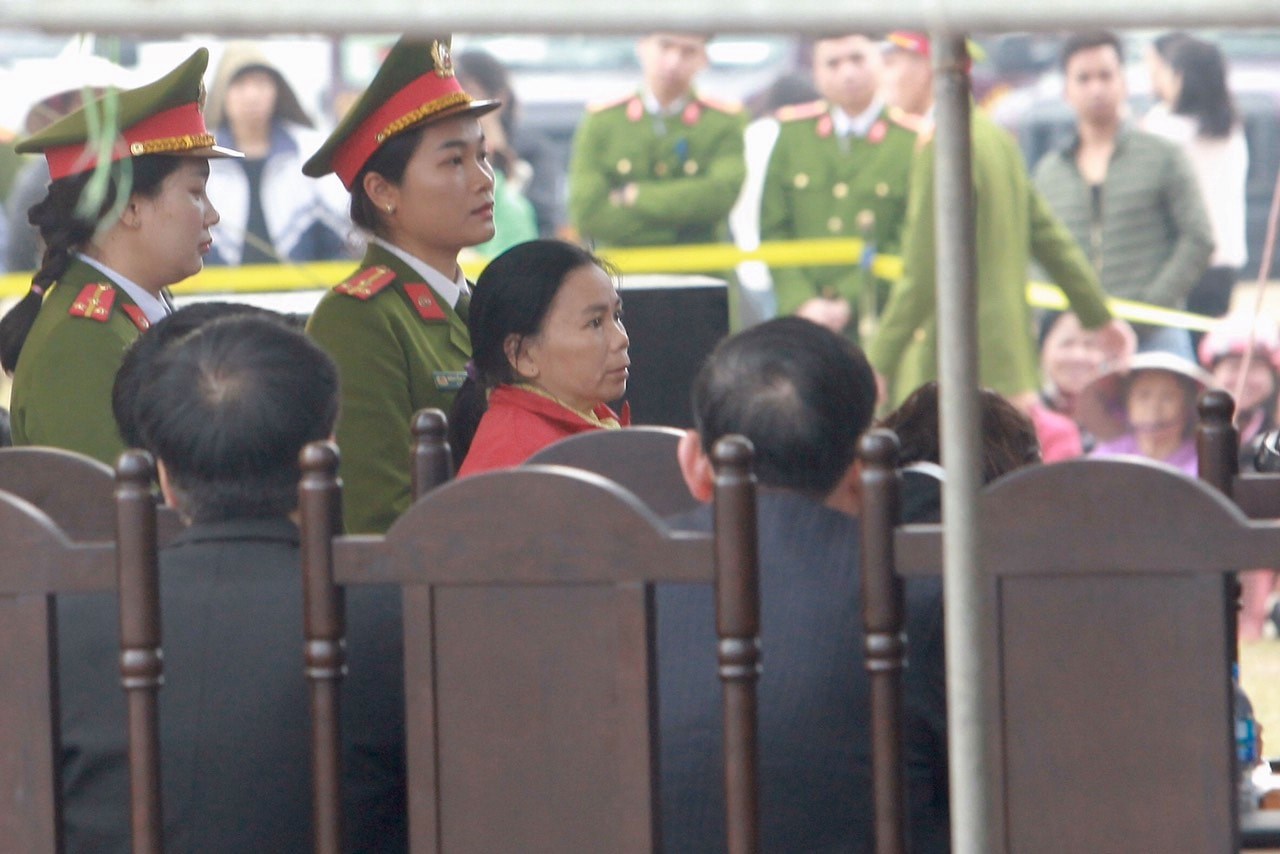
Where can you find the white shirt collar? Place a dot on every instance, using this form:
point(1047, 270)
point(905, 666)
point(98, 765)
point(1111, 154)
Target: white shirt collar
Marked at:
point(653, 108)
point(153, 307)
point(447, 289)
point(858, 125)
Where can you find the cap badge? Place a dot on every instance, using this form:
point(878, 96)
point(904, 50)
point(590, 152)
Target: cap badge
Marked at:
point(443, 56)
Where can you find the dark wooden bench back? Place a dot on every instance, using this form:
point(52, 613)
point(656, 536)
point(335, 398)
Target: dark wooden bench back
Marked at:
point(1218, 443)
point(531, 713)
point(640, 459)
point(1112, 649)
point(39, 560)
point(74, 490)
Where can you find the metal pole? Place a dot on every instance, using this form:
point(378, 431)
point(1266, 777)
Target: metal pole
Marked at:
point(967, 716)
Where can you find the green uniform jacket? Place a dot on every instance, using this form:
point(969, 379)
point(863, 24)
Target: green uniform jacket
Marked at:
point(1013, 224)
point(391, 362)
point(818, 185)
point(687, 168)
point(62, 385)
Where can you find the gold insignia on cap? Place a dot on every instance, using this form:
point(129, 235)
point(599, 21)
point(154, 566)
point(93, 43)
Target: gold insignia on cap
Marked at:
point(882, 189)
point(835, 224)
point(840, 190)
point(691, 167)
point(801, 180)
point(624, 166)
point(919, 335)
point(660, 169)
point(443, 57)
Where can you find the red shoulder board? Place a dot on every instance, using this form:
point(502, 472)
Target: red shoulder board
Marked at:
point(601, 106)
point(138, 316)
point(94, 302)
point(731, 107)
point(797, 112)
point(367, 283)
point(910, 121)
point(424, 301)
point(692, 112)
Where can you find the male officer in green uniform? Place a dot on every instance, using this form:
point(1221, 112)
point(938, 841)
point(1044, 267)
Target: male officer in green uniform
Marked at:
point(838, 169)
point(661, 166)
point(1013, 224)
point(412, 154)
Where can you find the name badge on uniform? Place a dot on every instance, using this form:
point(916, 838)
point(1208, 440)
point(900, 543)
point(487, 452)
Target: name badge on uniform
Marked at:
point(449, 380)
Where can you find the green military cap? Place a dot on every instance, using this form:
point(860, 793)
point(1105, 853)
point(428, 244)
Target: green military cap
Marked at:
point(163, 117)
point(415, 85)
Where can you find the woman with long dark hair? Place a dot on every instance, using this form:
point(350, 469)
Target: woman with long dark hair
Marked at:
point(414, 158)
point(550, 353)
point(118, 230)
point(1199, 114)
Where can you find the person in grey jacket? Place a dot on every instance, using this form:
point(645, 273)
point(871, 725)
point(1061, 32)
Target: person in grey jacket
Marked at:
point(1128, 197)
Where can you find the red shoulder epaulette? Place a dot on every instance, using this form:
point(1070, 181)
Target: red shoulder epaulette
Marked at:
point(94, 302)
point(601, 106)
point(910, 121)
point(730, 107)
point(796, 112)
point(138, 316)
point(367, 283)
point(424, 302)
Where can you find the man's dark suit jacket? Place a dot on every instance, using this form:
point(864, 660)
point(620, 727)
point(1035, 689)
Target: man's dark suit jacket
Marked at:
point(234, 719)
point(813, 693)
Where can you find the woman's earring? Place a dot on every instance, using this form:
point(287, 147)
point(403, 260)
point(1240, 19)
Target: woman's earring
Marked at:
point(391, 209)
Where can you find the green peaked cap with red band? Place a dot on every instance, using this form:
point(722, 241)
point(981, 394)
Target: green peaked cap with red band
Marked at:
point(163, 117)
point(414, 86)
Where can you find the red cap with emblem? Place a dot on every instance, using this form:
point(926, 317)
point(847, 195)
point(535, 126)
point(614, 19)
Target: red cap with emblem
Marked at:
point(415, 85)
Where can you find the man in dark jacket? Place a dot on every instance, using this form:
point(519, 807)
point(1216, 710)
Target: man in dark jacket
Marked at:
point(803, 396)
point(226, 410)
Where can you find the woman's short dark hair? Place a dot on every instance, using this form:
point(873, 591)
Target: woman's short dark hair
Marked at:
point(1009, 438)
point(389, 161)
point(1204, 94)
point(512, 297)
point(228, 408)
point(65, 228)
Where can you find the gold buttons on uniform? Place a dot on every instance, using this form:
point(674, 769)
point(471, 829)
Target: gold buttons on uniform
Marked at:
point(835, 224)
point(691, 167)
point(659, 169)
point(840, 190)
point(801, 180)
point(624, 166)
point(919, 335)
point(882, 189)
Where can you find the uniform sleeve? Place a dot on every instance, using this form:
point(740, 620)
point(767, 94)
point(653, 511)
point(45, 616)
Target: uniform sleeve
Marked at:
point(791, 285)
point(373, 424)
point(68, 401)
point(704, 198)
point(1065, 262)
point(912, 298)
point(1194, 243)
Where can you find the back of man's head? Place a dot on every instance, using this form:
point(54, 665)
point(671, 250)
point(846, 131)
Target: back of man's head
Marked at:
point(802, 395)
point(227, 409)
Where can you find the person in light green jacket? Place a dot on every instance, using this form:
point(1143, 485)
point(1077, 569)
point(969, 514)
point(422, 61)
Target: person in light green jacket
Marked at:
point(413, 156)
point(1013, 224)
point(661, 166)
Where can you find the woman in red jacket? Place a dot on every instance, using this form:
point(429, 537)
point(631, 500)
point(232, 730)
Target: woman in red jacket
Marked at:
point(548, 352)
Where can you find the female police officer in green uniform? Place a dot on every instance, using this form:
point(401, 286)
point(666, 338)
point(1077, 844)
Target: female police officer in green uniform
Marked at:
point(126, 215)
point(413, 156)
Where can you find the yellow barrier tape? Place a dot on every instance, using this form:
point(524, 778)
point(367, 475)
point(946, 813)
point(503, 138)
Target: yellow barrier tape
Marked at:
point(698, 258)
